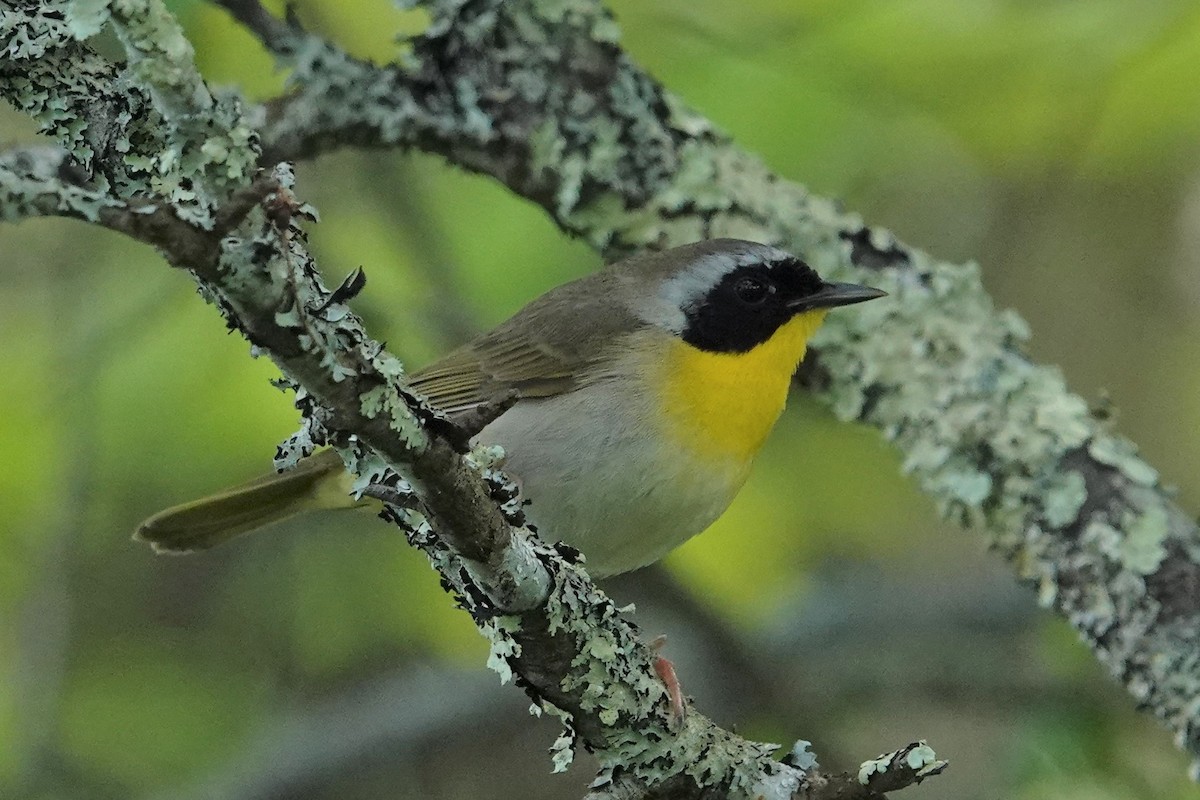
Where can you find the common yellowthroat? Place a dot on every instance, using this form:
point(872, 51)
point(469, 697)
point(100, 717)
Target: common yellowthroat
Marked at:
point(637, 398)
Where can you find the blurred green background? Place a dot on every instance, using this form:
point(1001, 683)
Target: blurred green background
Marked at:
point(1058, 143)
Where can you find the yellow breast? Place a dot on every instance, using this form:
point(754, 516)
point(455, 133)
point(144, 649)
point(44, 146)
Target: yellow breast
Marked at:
point(723, 405)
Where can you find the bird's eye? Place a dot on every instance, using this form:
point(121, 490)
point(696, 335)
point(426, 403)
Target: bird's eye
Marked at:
point(752, 291)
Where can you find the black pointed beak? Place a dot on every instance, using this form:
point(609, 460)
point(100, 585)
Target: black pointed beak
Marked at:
point(831, 295)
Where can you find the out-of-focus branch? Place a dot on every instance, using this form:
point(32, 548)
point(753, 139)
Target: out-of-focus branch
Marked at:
point(185, 185)
point(396, 714)
point(272, 31)
point(554, 109)
point(450, 316)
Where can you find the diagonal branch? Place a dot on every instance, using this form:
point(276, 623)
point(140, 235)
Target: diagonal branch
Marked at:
point(277, 35)
point(183, 186)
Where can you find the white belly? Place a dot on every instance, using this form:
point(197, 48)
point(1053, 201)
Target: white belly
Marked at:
point(601, 482)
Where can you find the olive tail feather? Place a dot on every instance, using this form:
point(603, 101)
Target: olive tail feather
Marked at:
point(317, 482)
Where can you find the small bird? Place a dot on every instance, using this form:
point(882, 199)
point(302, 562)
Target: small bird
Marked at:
point(630, 403)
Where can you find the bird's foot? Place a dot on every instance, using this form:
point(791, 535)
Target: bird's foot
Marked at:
point(666, 673)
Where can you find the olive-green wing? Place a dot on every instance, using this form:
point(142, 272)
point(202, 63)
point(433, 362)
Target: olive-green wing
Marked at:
point(480, 380)
point(552, 346)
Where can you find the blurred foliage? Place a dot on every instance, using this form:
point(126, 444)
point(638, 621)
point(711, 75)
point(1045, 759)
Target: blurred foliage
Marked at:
point(1055, 142)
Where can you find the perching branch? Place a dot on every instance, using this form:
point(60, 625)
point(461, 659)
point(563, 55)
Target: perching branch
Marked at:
point(556, 111)
point(154, 154)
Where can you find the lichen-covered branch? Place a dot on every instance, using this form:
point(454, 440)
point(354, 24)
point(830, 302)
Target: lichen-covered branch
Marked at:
point(149, 150)
point(890, 772)
point(540, 96)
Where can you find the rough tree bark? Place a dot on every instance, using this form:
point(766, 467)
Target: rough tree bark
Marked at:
point(540, 96)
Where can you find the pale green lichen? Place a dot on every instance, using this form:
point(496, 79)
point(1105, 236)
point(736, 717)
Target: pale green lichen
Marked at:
point(874, 766)
point(611, 676)
point(486, 457)
point(370, 469)
point(304, 441)
point(160, 57)
point(382, 400)
point(32, 31)
point(555, 11)
point(1103, 537)
point(802, 757)
point(146, 128)
point(1065, 495)
point(325, 333)
point(85, 18)
point(67, 89)
point(1143, 545)
point(918, 758)
point(208, 149)
point(21, 197)
point(503, 647)
point(545, 147)
point(562, 751)
point(1120, 454)
point(974, 442)
point(683, 118)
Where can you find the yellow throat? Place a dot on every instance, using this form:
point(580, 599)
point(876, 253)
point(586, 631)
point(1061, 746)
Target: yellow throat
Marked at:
point(723, 405)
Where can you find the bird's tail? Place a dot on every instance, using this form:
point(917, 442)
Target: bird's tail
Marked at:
point(317, 482)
